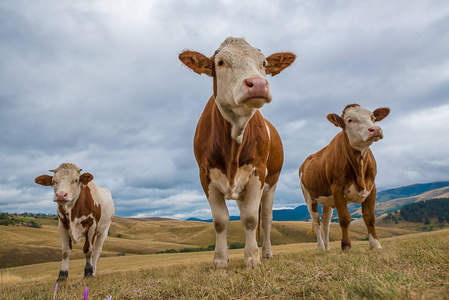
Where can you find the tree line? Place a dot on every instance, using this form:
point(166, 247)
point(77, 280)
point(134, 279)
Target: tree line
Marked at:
point(425, 210)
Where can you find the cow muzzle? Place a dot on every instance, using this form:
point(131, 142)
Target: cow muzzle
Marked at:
point(61, 197)
point(257, 92)
point(375, 133)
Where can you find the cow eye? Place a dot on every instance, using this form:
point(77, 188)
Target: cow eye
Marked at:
point(350, 121)
point(220, 63)
point(264, 63)
point(76, 180)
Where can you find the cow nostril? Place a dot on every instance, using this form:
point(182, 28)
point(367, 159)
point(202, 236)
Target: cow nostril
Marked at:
point(248, 83)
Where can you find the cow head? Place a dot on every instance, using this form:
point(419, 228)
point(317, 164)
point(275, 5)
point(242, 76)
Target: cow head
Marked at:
point(66, 182)
point(239, 72)
point(358, 125)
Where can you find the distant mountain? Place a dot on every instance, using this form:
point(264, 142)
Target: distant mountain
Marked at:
point(299, 213)
point(387, 201)
point(409, 191)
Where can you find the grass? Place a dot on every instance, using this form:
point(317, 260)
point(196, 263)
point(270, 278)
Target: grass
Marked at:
point(414, 266)
point(21, 245)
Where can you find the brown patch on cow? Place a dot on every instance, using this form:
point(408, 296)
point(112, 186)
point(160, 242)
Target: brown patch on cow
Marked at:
point(64, 220)
point(45, 180)
point(278, 62)
point(197, 62)
point(85, 205)
point(381, 113)
point(86, 178)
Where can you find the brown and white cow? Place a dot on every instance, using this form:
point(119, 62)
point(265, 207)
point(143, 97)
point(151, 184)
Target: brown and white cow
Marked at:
point(343, 172)
point(84, 210)
point(239, 153)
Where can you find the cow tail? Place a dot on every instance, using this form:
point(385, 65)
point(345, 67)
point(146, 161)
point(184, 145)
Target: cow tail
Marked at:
point(311, 232)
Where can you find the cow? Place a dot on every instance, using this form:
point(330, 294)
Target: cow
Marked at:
point(239, 153)
point(84, 210)
point(343, 172)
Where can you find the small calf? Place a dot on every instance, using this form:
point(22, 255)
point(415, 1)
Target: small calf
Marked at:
point(343, 172)
point(84, 210)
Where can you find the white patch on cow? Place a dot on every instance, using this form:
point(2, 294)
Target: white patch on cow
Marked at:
point(374, 243)
point(76, 229)
point(357, 121)
point(326, 200)
point(220, 181)
point(352, 195)
point(240, 62)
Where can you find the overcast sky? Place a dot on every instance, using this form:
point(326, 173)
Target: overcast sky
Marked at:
point(99, 84)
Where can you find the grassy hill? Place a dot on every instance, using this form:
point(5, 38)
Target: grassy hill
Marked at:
point(20, 245)
point(411, 266)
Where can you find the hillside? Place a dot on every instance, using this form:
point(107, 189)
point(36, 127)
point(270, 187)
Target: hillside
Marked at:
point(408, 267)
point(386, 201)
point(21, 245)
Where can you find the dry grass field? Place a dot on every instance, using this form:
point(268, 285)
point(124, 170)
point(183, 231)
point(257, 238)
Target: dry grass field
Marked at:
point(414, 266)
point(24, 245)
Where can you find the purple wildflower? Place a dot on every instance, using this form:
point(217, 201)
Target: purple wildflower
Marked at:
point(299, 264)
point(86, 293)
point(136, 291)
point(56, 289)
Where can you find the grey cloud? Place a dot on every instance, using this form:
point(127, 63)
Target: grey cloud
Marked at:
point(101, 86)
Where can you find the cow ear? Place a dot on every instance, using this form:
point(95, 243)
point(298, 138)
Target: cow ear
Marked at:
point(197, 62)
point(85, 178)
point(45, 180)
point(381, 113)
point(336, 120)
point(278, 62)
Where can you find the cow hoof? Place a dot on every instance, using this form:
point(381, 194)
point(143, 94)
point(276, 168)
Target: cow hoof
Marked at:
point(219, 264)
point(88, 271)
point(252, 263)
point(63, 275)
point(346, 247)
point(267, 254)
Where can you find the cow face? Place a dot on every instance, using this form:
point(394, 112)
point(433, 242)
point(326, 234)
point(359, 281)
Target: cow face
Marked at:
point(66, 182)
point(239, 72)
point(358, 125)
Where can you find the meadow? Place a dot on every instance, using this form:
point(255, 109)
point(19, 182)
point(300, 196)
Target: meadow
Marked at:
point(21, 245)
point(413, 266)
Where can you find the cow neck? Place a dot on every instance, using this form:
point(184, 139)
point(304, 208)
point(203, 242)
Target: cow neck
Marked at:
point(357, 163)
point(230, 148)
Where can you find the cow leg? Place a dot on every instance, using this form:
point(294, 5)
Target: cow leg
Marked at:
point(101, 237)
point(344, 217)
point(220, 215)
point(313, 211)
point(370, 220)
point(267, 218)
point(312, 206)
point(249, 215)
point(87, 249)
point(326, 217)
point(66, 252)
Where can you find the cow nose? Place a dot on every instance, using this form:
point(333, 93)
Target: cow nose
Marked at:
point(375, 131)
point(61, 196)
point(256, 85)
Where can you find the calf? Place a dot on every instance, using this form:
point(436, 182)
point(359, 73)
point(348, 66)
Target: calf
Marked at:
point(344, 172)
point(239, 153)
point(84, 210)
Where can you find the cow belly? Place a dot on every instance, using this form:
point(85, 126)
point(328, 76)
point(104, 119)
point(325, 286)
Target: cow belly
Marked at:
point(326, 201)
point(234, 191)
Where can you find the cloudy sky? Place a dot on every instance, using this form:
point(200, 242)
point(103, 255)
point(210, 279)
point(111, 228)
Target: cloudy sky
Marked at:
point(99, 84)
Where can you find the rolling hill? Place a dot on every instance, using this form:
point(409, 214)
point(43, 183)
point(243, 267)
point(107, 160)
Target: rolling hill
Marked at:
point(20, 245)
